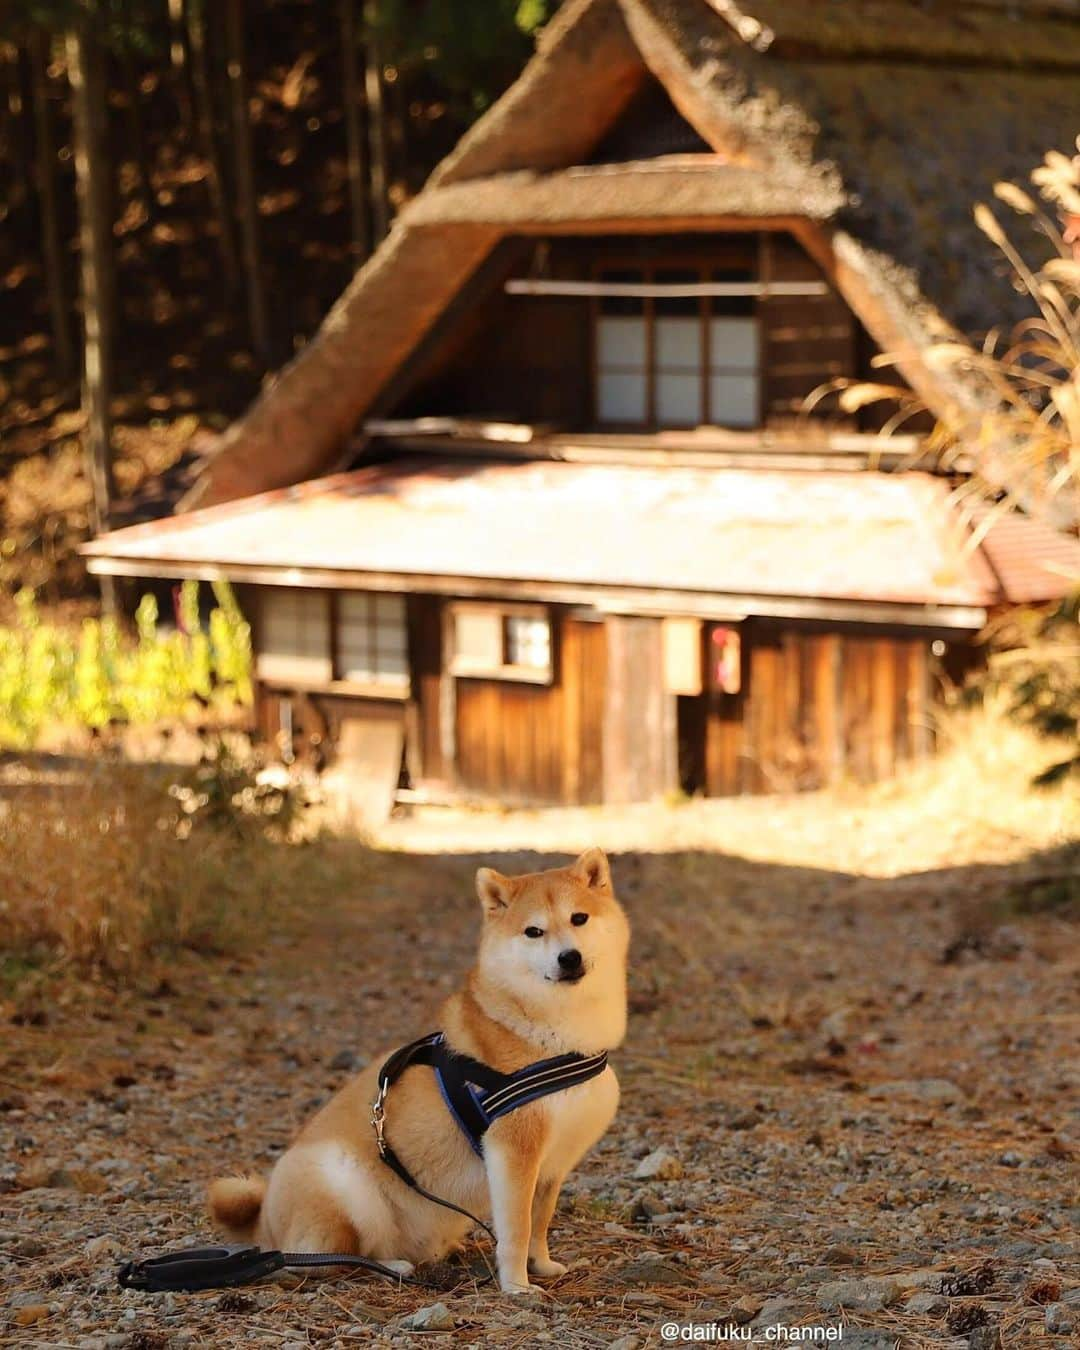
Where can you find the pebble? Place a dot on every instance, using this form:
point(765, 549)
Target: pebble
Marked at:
point(626, 1343)
point(660, 1165)
point(866, 1295)
point(934, 1091)
point(344, 1061)
point(651, 1270)
point(927, 1304)
point(1059, 1319)
point(1010, 1159)
point(434, 1317)
point(101, 1248)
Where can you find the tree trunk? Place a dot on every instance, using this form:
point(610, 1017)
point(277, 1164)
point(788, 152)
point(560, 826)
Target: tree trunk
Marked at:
point(86, 71)
point(180, 65)
point(133, 99)
point(244, 174)
point(373, 85)
point(354, 133)
point(17, 147)
point(52, 247)
point(204, 122)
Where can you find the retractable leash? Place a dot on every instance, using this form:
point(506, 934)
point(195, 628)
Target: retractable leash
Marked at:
point(475, 1095)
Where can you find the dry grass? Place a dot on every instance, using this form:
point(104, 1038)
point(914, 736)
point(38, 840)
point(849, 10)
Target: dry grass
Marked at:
point(102, 872)
point(973, 802)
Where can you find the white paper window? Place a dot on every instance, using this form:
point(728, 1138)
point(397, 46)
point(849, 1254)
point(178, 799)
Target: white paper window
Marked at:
point(501, 642)
point(528, 642)
point(733, 372)
point(294, 636)
point(372, 639)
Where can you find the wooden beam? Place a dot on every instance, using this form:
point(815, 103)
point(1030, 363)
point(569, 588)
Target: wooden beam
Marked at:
point(723, 608)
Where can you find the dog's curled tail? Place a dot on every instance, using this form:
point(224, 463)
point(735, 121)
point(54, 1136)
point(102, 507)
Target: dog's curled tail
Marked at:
point(235, 1204)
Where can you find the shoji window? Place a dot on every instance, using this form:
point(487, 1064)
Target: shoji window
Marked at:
point(501, 641)
point(733, 378)
point(678, 360)
point(372, 641)
point(678, 341)
point(621, 355)
point(294, 636)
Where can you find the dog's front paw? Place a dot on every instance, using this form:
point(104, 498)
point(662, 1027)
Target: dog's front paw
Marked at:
point(546, 1268)
point(520, 1290)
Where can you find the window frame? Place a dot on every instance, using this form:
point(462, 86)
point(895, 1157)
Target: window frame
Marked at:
point(704, 264)
point(386, 690)
point(463, 668)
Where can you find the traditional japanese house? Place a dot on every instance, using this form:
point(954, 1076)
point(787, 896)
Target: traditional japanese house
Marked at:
point(543, 513)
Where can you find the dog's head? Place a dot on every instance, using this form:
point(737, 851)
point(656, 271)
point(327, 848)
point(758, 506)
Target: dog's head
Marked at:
point(556, 936)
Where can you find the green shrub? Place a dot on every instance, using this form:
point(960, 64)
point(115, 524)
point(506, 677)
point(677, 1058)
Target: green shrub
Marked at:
point(87, 678)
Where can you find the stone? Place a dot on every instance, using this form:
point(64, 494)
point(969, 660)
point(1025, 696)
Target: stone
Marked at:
point(866, 1295)
point(745, 1309)
point(867, 1338)
point(344, 1061)
point(434, 1317)
point(626, 1343)
point(926, 1304)
point(660, 1165)
point(985, 1338)
point(774, 1311)
point(651, 1270)
point(102, 1248)
point(1060, 1319)
point(933, 1091)
point(29, 1246)
point(839, 1255)
point(1010, 1159)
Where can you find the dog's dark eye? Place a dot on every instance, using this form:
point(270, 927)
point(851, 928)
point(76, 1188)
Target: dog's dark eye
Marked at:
point(534, 932)
point(578, 919)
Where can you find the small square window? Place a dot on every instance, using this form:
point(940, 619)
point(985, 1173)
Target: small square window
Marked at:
point(528, 642)
point(501, 642)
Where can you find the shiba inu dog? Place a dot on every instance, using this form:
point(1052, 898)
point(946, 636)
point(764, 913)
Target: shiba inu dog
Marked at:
point(544, 1002)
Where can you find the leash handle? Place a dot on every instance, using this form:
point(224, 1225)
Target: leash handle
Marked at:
point(196, 1268)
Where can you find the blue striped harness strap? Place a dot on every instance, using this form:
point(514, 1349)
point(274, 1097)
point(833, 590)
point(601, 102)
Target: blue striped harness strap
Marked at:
point(475, 1093)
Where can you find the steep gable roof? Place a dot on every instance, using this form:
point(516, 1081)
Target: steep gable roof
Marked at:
point(882, 121)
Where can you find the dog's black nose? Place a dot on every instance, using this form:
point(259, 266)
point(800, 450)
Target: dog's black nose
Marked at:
point(570, 960)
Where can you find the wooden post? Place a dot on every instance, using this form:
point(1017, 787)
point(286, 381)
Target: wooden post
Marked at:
point(87, 76)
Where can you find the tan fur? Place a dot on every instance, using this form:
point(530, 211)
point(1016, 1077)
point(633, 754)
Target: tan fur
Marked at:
point(330, 1192)
point(235, 1203)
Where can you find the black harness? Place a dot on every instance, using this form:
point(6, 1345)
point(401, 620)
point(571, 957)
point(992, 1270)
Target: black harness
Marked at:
point(475, 1095)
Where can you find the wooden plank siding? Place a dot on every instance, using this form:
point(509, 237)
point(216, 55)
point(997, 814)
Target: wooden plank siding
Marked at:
point(806, 341)
point(640, 716)
point(816, 707)
point(538, 743)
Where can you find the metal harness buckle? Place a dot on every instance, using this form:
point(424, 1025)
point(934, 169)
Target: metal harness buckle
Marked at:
point(378, 1118)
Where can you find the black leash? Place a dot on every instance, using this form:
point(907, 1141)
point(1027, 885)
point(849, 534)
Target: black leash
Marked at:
point(475, 1094)
point(197, 1268)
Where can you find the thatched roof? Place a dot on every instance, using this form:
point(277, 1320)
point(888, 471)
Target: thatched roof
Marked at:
point(879, 121)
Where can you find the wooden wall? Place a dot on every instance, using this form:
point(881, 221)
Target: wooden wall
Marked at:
point(537, 743)
point(532, 360)
point(640, 734)
point(806, 340)
point(817, 706)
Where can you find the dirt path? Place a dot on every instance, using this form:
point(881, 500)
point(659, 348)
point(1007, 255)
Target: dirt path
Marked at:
point(849, 1119)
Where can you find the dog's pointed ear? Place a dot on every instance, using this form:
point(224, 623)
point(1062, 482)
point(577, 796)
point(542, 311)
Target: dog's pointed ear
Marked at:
point(593, 869)
point(495, 890)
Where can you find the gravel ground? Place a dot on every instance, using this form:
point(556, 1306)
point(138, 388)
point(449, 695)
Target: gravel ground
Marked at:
point(844, 1105)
